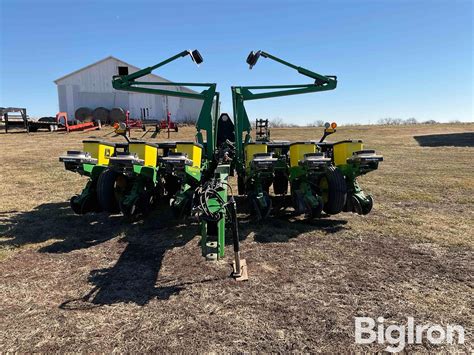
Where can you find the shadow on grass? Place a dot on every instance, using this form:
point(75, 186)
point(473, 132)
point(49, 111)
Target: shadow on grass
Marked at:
point(465, 139)
point(283, 225)
point(282, 228)
point(56, 221)
point(133, 277)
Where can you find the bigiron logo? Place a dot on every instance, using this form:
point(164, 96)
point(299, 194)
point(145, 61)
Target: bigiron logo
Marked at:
point(397, 336)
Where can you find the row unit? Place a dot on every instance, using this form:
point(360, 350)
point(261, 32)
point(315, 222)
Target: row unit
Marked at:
point(341, 151)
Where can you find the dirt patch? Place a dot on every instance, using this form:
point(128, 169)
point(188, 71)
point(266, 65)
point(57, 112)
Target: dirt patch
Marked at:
point(451, 140)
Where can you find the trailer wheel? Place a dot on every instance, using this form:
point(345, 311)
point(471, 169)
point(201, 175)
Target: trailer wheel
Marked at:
point(109, 186)
point(333, 190)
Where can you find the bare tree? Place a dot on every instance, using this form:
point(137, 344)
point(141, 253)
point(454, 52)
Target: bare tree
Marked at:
point(276, 122)
point(411, 120)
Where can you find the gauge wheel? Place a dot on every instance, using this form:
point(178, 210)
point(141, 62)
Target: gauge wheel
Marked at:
point(333, 190)
point(110, 187)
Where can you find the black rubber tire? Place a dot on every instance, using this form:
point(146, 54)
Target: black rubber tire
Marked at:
point(106, 191)
point(47, 119)
point(337, 191)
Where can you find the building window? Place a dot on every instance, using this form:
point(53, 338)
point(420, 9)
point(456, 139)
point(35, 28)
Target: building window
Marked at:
point(122, 70)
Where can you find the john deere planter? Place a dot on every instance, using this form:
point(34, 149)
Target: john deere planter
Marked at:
point(92, 161)
point(314, 175)
point(351, 160)
point(192, 175)
point(322, 176)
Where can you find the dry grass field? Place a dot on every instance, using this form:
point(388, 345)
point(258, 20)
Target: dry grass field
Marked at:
point(96, 283)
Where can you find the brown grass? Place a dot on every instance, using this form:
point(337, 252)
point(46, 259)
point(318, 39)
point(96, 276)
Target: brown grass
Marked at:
point(97, 283)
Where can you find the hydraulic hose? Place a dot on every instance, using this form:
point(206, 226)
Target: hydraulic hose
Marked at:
point(228, 208)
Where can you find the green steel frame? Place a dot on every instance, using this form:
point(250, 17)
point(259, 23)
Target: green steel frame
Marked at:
point(240, 94)
point(209, 96)
point(204, 122)
point(212, 232)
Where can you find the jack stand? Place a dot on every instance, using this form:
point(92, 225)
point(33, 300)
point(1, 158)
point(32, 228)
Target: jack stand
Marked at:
point(239, 267)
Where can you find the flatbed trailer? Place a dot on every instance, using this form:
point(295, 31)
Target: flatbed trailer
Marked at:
point(50, 125)
point(21, 120)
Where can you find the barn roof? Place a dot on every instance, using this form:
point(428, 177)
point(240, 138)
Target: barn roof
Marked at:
point(159, 78)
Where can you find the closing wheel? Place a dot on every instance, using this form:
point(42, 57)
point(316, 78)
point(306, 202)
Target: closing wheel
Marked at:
point(333, 190)
point(315, 212)
point(257, 206)
point(356, 205)
point(110, 187)
point(82, 206)
point(140, 205)
point(146, 200)
point(75, 205)
point(128, 210)
point(367, 205)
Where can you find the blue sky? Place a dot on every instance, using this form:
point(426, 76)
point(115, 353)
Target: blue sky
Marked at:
point(393, 58)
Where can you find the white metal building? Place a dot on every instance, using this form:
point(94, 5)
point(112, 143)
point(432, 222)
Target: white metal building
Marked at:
point(91, 87)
